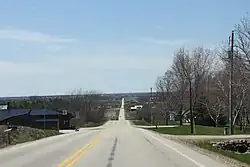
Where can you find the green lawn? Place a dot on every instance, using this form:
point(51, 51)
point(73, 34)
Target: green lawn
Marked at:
point(163, 122)
point(199, 130)
point(141, 122)
point(145, 123)
point(93, 124)
point(245, 158)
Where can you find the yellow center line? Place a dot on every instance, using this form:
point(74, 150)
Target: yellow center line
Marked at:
point(71, 157)
point(82, 153)
point(76, 155)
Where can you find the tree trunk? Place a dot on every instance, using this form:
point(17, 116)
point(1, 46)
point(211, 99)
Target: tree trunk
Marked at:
point(166, 121)
point(241, 122)
point(181, 121)
point(166, 118)
point(216, 123)
point(181, 115)
point(245, 121)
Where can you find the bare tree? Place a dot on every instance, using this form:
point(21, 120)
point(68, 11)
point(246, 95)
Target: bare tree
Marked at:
point(187, 65)
point(240, 86)
point(83, 102)
point(180, 82)
point(199, 71)
point(202, 64)
point(243, 42)
point(214, 107)
point(164, 91)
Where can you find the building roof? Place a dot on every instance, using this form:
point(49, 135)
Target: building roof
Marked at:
point(5, 114)
point(44, 112)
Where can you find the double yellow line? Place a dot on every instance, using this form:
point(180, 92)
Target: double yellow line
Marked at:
point(71, 160)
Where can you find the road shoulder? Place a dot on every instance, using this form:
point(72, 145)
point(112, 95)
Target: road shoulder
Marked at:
point(219, 157)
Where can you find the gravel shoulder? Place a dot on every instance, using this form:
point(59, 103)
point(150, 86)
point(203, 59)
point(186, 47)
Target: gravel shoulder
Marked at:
point(209, 137)
point(190, 142)
point(22, 135)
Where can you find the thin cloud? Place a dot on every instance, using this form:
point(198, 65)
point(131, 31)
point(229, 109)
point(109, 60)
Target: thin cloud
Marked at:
point(163, 41)
point(31, 36)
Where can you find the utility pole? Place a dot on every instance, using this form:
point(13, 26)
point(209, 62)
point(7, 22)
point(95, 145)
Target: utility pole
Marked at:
point(150, 107)
point(191, 107)
point(230, 103)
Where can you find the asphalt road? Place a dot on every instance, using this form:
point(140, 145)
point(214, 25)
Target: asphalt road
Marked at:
point(115, 144)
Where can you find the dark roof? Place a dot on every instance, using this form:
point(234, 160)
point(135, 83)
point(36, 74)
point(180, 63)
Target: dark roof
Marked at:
point(5, 114)
point(44, 112)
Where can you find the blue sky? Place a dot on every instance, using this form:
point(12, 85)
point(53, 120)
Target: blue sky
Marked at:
point(54, 47)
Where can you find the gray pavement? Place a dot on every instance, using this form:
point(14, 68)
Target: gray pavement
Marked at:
point(116, 144)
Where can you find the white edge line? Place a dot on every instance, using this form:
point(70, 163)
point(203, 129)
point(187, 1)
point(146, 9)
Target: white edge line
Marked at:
point(174, 149)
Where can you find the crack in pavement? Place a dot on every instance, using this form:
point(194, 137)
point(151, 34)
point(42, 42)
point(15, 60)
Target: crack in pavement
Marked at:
point(112, 154)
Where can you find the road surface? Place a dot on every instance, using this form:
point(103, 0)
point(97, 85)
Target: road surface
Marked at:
point(115, 144)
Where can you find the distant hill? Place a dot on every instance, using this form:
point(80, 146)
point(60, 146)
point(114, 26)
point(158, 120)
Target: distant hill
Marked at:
point(114, 95)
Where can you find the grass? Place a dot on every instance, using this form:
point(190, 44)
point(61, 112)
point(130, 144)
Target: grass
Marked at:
point(245, 158)
point(112, 114)
point(163, 122)
point(93, 124)
point(199, 130)
point(145, 123)
point(141, 122)
point(206, 130)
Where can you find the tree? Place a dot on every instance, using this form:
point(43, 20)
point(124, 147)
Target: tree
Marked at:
point(84, 102)
point(201, 80)
point(240, 84)
point(214, 107)
point(180, 83)
point(164, 86)
point(243, 42)
point(201, 64)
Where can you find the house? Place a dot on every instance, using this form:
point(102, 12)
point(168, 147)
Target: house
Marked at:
point(136, 107)
point(47, 119)
point(36, 118)
point(16, 116)
point(3, 107)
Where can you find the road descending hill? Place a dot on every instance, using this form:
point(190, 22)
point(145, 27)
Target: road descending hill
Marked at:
point(115, 144)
